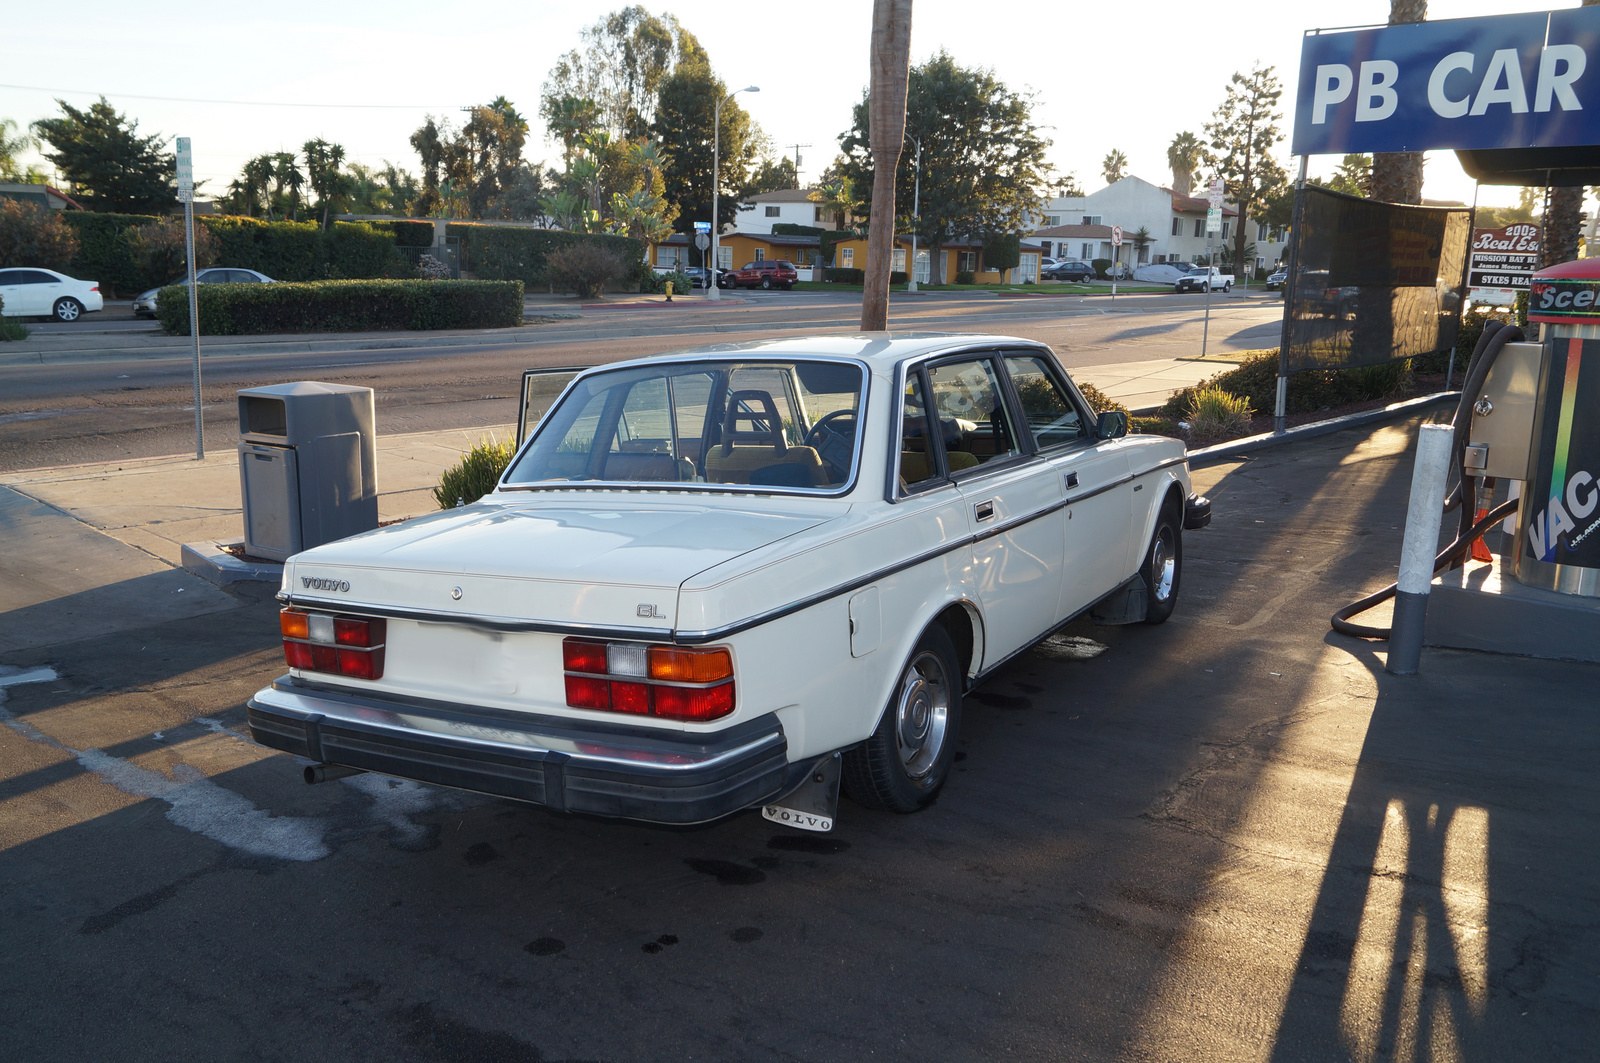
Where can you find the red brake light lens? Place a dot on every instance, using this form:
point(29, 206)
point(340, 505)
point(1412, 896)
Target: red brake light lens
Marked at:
point(338, 645)
point(668, 682)
point(694, 704)
point(580, 656)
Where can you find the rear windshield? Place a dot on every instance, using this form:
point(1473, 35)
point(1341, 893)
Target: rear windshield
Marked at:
point(764, 424)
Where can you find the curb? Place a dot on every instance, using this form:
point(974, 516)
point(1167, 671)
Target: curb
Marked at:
point(1222, 451)
point(211, 562)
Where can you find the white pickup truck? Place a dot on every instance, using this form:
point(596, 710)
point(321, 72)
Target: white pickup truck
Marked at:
point(1204, 278)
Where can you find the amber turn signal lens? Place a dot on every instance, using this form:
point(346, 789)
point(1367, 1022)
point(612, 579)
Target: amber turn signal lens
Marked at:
point(689, 666)
point(293, 623)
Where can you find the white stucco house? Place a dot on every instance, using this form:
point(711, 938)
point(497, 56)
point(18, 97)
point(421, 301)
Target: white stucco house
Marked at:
point(789, 206)
point(1176, 225)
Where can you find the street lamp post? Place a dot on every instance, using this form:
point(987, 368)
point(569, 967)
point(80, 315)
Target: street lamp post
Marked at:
point(916, 213)
point(712, 291)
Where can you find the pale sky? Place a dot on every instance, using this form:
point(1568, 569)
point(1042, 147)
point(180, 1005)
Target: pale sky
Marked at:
point(1128, 74)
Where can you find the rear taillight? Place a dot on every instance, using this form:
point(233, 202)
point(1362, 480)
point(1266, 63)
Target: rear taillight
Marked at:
point(94, 287)
point(668, 682)
point(337, 644)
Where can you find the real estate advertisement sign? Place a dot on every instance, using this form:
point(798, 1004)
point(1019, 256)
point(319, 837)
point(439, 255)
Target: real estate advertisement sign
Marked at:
point(1503, 262)
point(1503, 81)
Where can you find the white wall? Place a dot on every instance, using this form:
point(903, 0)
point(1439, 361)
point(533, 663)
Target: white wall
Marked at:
point(752, 216)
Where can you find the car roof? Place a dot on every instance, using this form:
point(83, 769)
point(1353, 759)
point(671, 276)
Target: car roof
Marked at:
point(881, 350)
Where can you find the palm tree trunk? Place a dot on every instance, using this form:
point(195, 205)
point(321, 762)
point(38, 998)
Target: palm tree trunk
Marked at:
point(1562, 223)
point(886, 109)
point(1397, 175)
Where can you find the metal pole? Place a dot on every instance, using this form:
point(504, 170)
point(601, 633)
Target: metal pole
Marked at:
point(714, 290)
point(1420, 544)
point(1205, 333)
point(194, 327)
point(916, 214)
point(1289, 284)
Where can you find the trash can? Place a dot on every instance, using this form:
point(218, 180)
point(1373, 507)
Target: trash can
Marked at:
point(307, 466)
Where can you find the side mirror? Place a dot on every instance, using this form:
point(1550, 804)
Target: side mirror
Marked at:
point(1113, 424)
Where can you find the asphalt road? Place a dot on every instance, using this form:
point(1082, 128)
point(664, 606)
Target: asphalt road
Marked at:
point(126, 405)
point(1231, 837)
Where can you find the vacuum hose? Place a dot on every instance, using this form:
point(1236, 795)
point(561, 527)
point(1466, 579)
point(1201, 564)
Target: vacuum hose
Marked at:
point(1494, 339)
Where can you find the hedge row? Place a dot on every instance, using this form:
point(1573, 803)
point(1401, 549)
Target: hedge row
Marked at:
point(1256, 379)
point(848, 275)
point(507, 253)
point(283, 250)
point(342, 306)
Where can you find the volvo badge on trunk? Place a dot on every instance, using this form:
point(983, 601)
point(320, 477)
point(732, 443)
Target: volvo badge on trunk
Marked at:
point(317, 583)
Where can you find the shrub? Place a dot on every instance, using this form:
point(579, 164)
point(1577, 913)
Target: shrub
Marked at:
point(103, 255)
point(585, 268)
point(432, 269)
point(358, 250)
point(342, 306)
point(844, 275)
point(1100, 266)
point(966, 276)
point(1099, 401)
point(475, 475)
point(31, 235)
point(408, 233)
point(160, 249)
point(515, 253)
point(681, 284)
point(1215, 415)
point(11, 330)
point(1002, 251)
point(896, 277)
point(1256, 380)
point(1155, 426)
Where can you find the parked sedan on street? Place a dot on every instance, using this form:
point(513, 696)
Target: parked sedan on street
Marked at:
point(144, 305)
point(724, 578)
point(1069, 269)
point(46, 293)
point(698, 275)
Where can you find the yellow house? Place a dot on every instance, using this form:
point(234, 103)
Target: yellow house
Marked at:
point(735, 249)
point(953, 258)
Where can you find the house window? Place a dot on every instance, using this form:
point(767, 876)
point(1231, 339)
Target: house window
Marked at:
point(669, 256)
point(1177, 226)
point(1030, 268)
point(898, 261)
point(1086, 252)
point(1224, 230)
point(1199, 226)
point(847, 257)
point(816, 214)
point(1091, 219)
point(1052, 220)
point(724, 256)
point(761, 254)
point(967, 262)
point(1261, 231)
point(773, 212)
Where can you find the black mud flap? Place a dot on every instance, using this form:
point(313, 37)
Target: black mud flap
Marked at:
point(1128, 604)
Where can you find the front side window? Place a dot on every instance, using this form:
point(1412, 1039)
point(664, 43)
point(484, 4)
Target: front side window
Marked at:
point(972, 414)
point(1051, 414)
point(784, 424)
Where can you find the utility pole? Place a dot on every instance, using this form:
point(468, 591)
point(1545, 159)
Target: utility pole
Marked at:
point(797, 148)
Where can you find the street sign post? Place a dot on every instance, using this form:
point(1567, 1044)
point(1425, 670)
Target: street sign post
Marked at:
point(1116, 242)
point(702, 227)
point(702, 240)
point(185, 182)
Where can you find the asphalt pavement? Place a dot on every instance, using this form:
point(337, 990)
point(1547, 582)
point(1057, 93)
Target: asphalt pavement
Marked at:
point(1229, 837)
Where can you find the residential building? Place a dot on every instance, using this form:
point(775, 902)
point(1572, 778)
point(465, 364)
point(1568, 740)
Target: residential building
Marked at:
point(786, 206)
point(41, 194)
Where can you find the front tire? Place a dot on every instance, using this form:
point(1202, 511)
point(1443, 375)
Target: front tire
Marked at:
point(904, 764)
point(1162, 570)
point(766, 284)
point(67, 310)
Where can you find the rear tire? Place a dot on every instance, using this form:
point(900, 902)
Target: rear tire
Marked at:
point(67, 310)
point(766, 284)
point(904, 764)
point(1162, 570)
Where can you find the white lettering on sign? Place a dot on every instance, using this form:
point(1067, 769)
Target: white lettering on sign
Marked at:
point(1559, 84)
point(1557, 520)
point(1442, 105)
point(1377, 84)
point(1334, 82)
point(1503, 65)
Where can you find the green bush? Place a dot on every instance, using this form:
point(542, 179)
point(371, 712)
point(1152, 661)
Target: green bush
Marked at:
point(585, 268)
point(342, 306)
point(508, 253)
point(408, 233)
point(1472, 323)
point(11, 330)
point(160, 249)
point(1155, 426)
point(897, 277)
point(103, 255)
point(1215, 415)
point(1256, 379)
point(358, 250)
point(1002, 251)
point(966, 276)
point(1100, 266)
point(1099, 401)
point(475, 475)
point(31, 235)
point(844, 275)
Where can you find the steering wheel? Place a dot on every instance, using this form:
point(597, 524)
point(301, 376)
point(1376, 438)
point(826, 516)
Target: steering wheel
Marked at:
point(833, 437)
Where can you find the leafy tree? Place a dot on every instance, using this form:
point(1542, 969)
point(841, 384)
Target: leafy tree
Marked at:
point(628, 55)
point(983, 164)
point(1397, 176)
point(110, 167)
point(31, 235)
point(332, 188)
point(772, 176)
point(685, 109)
point(1354, 176)
point(11, 148)
point(476, 163)
point(287, 181)
point(522, 199)
point(1113, 166)
point(1067, 186)
point(1184, 155)
point(885, 113)
point(1242, 134)
point(160, 249)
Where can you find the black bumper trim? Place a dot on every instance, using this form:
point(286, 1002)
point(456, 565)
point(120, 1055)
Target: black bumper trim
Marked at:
point(635, 773)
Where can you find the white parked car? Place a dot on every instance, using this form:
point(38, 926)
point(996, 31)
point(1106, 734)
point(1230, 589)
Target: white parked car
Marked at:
point(144, 304)
point(46, 293)
point(720, 579)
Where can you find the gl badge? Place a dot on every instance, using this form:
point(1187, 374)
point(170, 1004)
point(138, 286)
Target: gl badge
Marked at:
point(646, 611)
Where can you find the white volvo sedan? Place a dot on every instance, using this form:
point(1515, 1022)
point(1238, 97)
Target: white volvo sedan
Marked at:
point(728, 578)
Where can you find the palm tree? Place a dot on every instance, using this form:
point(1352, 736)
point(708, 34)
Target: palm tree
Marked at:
point(886, 109)
point(1397, 175)
point(1184, 155)
point(1113, 165)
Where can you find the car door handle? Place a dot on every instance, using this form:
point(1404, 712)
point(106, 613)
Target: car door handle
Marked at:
point(1072, 479)
point(984, 510)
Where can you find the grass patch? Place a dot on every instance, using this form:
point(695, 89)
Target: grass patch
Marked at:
point(11, 330)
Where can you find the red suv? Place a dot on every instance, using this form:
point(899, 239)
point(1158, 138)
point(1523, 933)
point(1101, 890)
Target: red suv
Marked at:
point(768, 273)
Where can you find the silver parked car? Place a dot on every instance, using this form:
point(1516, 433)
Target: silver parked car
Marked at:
point(145, 304)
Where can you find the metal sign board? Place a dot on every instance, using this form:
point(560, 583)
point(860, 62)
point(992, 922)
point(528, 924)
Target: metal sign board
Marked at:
point(1503, 259)
point(1116, 236)
point(702, 241)
point(1215, 193)
point(702, 226)
point(1502, 81)
point(185, 167)
point(1214, 220)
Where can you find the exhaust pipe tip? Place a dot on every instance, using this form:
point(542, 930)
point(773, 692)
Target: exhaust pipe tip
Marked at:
point(315, 773)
